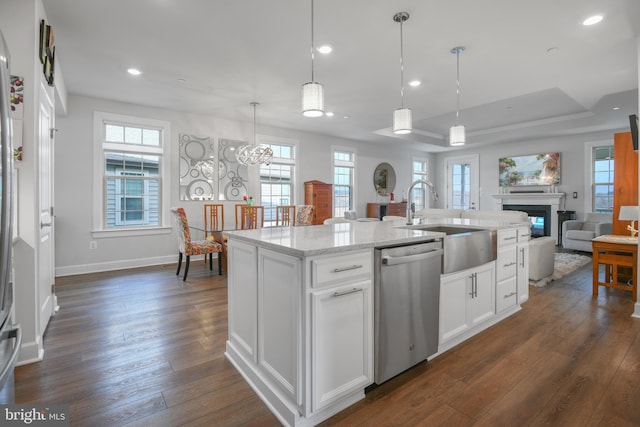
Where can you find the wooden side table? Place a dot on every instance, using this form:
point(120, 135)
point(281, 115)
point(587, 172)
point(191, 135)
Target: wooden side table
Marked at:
point(615, 251)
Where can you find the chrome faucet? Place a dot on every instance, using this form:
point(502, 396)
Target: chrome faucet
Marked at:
point(410, 206)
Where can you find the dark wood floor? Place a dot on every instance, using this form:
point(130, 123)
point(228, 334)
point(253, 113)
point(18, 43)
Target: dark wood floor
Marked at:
point(141, 347)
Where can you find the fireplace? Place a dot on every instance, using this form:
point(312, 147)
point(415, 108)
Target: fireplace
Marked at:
point(539, 216)
point(545, 200)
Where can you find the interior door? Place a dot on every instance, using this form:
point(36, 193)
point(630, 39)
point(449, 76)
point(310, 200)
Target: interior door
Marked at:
point(46, 301)
point(463, 183)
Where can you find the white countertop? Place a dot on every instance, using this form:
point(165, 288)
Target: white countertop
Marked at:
point(323, 239)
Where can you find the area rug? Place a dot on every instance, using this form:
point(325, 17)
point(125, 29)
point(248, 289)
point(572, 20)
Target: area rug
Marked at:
point(564, 264)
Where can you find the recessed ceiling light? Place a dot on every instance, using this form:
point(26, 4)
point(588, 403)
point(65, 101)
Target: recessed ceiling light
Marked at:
point(615, 108)
point(552, 49)
point(329, 114)
point(325, 48)
point(414, 83)
point(345, 117)
point(134, 71)
point(182, 81)
point(592, 20)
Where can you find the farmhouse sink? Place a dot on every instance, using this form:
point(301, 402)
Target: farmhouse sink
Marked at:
point(463, 247)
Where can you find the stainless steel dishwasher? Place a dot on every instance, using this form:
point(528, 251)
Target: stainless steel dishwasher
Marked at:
point(407, 301)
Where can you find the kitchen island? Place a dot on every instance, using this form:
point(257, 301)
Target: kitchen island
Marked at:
point(301, 321)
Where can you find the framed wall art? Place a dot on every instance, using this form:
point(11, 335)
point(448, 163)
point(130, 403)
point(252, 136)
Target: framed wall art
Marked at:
point(534, 169)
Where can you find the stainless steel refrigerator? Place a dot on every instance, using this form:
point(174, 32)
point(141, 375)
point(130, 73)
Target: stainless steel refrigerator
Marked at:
point(10, 336)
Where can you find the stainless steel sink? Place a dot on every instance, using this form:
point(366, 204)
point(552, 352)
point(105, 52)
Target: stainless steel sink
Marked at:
point(464, 247)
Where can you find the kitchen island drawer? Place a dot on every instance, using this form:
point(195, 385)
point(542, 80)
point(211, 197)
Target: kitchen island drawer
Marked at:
point(340, 268)
point(506, 294)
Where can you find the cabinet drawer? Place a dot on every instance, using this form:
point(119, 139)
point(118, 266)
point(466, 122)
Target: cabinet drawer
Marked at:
point(524, 234)
point(507, 263)
point(507, 237)
point(341, 268)
point(506, 294)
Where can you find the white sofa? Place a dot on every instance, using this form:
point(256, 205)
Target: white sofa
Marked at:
point(578, 234)
point(509, 216)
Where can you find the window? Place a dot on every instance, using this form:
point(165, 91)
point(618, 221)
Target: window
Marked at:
point(419, 171)
point(344, 166)
point(277, 179)
point(131, 161)
point(603, 166)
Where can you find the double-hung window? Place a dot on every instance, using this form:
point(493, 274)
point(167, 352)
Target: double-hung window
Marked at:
point(344, 166)
point(419, 171)
point(603, 167)
point(131, 159)
point(277, 179)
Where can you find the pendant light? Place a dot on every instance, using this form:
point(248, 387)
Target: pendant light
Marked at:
point(312, 92)
point(401, 116)
point(254, 154)
point(456, 133)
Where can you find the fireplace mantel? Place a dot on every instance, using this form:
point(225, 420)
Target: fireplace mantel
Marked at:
point(547, 199)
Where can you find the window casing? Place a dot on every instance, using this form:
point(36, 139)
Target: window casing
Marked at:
point(130, 165)
point(419, 171)
point(344, 166)
point(602, 179)
point(277, 179)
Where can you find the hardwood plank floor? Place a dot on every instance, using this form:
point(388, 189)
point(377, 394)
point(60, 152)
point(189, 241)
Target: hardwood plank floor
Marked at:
point(143, 348)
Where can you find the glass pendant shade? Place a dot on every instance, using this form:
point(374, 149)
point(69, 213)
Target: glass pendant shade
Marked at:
point(312, 99)
point(457, 135)
point(254, 154)
point(402, 121)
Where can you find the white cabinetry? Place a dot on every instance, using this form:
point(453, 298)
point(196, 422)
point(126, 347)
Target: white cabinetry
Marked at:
point(301, 328)
point(466, 301)
point(524, 234)
point(507, 270)
point(341, 326)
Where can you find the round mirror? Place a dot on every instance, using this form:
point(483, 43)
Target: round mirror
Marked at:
point(384, 179)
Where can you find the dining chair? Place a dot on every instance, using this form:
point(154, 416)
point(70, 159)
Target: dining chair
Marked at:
point(213, 218)
point(190, 247)
point(285, 215)
point(249, 217)
point(304, 214)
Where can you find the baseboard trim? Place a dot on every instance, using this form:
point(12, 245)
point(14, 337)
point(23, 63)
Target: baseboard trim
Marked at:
point(115, 265)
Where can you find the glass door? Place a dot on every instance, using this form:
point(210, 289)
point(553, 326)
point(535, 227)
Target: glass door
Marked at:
point(462, 183)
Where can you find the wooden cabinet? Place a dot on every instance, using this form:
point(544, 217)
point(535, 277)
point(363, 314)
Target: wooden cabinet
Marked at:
point(320, 195)
point(466, 300)
point(625, 179)
point(378, 210)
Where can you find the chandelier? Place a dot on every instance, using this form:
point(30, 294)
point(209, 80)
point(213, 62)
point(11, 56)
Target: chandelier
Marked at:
point(254, 154)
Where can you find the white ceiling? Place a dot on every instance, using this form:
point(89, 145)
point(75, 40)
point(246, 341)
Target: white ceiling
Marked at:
point(530, 69)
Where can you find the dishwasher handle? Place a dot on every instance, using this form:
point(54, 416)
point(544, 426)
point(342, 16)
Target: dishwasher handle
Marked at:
point(391, 260)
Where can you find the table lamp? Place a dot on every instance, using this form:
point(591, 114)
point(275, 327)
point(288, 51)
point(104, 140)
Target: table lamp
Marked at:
point(629, 213)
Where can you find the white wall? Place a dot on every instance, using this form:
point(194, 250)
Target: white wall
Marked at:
point(74, 174)
point(575, 163)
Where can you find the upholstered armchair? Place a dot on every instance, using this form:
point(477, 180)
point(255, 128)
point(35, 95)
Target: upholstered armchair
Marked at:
point(578, 234)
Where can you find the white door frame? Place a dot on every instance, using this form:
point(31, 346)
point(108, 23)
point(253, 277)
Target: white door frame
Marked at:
point(473, 160)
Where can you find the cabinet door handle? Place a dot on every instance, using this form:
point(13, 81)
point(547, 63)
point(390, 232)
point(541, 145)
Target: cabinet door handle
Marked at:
point(350, 291)
point(510, 264)
point(474, 285)
point(509, 295)
point(522, 252)
point(351, 267)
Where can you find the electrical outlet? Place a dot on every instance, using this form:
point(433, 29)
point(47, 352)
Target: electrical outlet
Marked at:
point(93, 244)
point(575, 194)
